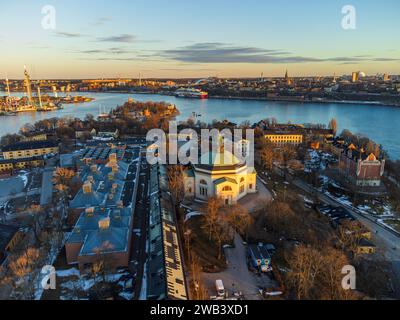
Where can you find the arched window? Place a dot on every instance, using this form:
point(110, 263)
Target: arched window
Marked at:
point(227, 188)
point(242, 180)
point(203, 182)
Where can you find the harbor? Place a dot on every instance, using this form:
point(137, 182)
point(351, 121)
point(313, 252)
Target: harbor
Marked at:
point(11, 105)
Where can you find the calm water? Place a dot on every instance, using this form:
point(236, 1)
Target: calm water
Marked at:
point(377, 122)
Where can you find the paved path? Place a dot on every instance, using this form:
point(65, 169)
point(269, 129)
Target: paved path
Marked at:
point(252, 201)
point(237, 277)
point(47, 186)
point(21, 194)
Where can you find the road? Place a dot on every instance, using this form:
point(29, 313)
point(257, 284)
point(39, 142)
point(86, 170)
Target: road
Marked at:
point(140, 225)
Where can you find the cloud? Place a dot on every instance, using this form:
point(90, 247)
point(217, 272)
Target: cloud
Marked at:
point(113, 50)
point(68, 34)
point(101, 21)
point(217, 52)
point(120, 38)
point(385, 59)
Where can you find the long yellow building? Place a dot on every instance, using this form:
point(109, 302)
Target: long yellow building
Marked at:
point(19, 164)
point(23, 150)
point(284, 138)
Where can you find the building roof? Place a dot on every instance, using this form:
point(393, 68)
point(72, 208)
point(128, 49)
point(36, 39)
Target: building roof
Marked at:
point(219, 160)
point(215, 159)
point(365, 243)
point(224, 179)
point(30, 134)
point(67, 160)
point(259, 252)
point(283, 133)
point(106, 185)
point(165, 270)
point(28, 145)
point(94, 240)
point(101, 153)
point(106, 241)
point(7, 232)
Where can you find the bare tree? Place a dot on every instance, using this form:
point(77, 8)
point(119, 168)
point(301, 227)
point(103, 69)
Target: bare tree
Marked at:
point(350, 233)
point(239, 218)
point(280, 219)
point(333, 126)
point(305, 264)
point(36, 222)
point(22, 272)
point(175, 181)
point(62, 180)
point(212, 210)
point(331, 276)
point(267, 155)
point(199, 292)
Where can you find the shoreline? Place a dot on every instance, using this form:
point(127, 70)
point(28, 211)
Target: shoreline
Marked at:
point(344, 102)
point(373, 103)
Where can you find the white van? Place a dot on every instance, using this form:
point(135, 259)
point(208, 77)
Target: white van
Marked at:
point(219, 285)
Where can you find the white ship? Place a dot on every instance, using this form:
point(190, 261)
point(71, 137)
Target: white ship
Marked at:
point(191, 93)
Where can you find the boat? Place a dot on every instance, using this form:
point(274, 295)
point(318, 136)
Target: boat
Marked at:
point(191, 93)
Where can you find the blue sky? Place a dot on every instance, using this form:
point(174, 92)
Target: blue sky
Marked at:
point(190, 38)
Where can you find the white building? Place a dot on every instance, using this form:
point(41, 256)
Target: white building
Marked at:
point(220, 174)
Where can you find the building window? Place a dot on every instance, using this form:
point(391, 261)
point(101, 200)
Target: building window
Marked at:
point(241, 188)
point(250, 186)
point(203, 191)
point(227, 188)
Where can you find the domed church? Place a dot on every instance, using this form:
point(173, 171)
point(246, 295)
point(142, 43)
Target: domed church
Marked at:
point(220, 173)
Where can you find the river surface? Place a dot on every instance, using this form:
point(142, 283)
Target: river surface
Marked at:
point(380, 123)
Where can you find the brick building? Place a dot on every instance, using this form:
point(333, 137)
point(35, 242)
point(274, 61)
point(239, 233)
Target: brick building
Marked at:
point(362, 169)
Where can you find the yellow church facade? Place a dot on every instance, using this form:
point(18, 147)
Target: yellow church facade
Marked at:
point(220, 174)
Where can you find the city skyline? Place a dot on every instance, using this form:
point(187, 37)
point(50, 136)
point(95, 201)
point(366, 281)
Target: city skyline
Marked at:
point(175, 40)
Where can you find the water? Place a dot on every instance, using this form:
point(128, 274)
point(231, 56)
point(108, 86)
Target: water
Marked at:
point(377, 122)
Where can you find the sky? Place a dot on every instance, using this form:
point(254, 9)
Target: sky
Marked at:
point(188, 38)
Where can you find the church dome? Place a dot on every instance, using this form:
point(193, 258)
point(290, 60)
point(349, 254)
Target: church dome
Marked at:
point(221, 160)
point(225, 158)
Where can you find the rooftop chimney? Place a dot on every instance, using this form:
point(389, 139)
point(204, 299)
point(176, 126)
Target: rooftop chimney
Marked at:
point(87, 187)
point(104, 224)
point(112, 158)
point(89, 211)
point(114, 168)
